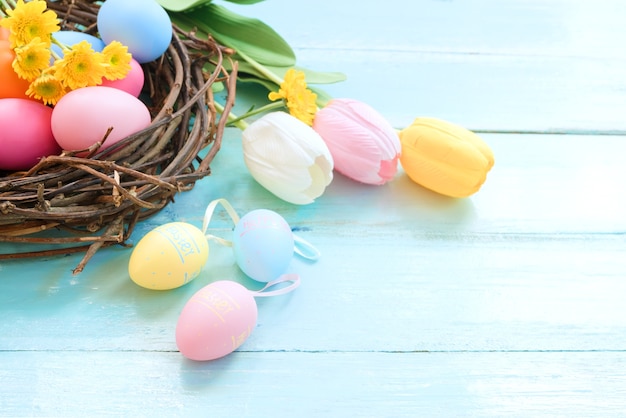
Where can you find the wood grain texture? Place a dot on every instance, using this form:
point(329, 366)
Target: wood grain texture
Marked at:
point(507, 303)
point(265, 385)
point(520, 65)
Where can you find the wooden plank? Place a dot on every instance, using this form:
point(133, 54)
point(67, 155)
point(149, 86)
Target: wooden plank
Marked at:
point(325, 385)
point(516, 27)
point(371, 291)
point(489, 65)
point(508, 94)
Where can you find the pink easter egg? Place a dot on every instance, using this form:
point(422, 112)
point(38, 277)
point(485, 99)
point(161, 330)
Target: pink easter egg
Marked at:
point(216, 321)
point(82, 117)
point(25, 136)
point(132, 83)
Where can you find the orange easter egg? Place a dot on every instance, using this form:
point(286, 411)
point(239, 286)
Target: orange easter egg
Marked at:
point(11, 85)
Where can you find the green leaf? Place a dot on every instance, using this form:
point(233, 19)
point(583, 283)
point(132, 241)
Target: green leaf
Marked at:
point(218, 87)
point(250, 36)
point(311, 76)
point(185, 5)
point(245, 1)
point(182, 5)
point(322, 96)
point(270, 86)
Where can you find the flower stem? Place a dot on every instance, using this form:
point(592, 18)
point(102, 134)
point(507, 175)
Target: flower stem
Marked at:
point(239, 121)
point(63, 47)
point(232, 119)
point(272, 76)
point(4, 6)
point(263, 70)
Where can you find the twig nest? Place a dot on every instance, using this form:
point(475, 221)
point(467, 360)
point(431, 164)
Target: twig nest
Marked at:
point(81, 200)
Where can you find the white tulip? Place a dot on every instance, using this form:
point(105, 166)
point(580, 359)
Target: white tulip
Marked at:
point(287, 157)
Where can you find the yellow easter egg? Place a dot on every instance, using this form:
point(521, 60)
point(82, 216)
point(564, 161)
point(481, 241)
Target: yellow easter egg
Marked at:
point(169, 256)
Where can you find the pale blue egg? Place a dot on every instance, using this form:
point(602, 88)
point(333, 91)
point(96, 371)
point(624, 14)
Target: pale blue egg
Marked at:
point(142, 25)
point(263, 245)
point(69, 38)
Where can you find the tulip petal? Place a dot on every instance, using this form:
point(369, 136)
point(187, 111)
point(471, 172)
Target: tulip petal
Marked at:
point(360, 140)
point(388, 168)
point(444, 157)
point(321, 176)
point(386, 138)
point(287, 157)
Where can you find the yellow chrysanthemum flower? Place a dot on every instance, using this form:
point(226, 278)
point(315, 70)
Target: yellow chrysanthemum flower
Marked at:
point(30, 20)
point(116, 60)
point(298, 98)
point(46, 88)
point(31, 59)
point(80, 67)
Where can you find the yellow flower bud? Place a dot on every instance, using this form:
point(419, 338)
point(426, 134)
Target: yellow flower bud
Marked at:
point(445, 157)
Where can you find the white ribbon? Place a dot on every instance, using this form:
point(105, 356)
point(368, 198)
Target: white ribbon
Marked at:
point(288, 277)
point(301, 247)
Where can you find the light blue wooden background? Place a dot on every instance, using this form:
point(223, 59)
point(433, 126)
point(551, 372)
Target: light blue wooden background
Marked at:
point(507, 303)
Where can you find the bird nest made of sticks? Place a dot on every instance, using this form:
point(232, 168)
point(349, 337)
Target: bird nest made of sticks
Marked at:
point(67, 203)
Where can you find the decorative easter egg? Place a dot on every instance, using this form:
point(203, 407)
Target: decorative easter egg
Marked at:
point(142, 25)
point(4, 33)
point(10, 84)
point(169, 256)
point(70, 38)
point(25, 136)
point(216, 321)
point(132, 83)
point(263, 244)
point(82, 117)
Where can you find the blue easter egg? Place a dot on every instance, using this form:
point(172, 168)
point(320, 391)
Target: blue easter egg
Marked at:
point(70, 38)
point(263, 245)
point(142, 25)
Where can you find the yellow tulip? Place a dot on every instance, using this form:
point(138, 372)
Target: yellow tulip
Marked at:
point(444, 157)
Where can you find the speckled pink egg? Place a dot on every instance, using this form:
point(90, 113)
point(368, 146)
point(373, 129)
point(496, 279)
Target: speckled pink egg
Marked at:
point(82, 117)
point(216, 321)
point(25, 133)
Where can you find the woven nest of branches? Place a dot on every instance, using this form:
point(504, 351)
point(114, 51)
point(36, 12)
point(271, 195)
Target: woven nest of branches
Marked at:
point(80, 204)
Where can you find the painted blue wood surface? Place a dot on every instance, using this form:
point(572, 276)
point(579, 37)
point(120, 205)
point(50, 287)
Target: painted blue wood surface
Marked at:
point(457, 59)
point(507, 303)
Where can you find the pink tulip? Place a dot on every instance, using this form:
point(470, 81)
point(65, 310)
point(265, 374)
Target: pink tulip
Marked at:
point(363, 144)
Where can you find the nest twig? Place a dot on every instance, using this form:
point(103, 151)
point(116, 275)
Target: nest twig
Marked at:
point(81, 204)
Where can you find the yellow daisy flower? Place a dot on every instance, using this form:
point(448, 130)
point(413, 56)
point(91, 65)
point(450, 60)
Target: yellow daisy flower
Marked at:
point(29, 20)
point(116, 60)
point(46, 88)
point(80, 67)
point(303, 106)
point(298, 98)
point(31, 59)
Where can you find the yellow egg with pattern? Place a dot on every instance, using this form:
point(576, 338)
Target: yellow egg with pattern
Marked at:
point(169, 256)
